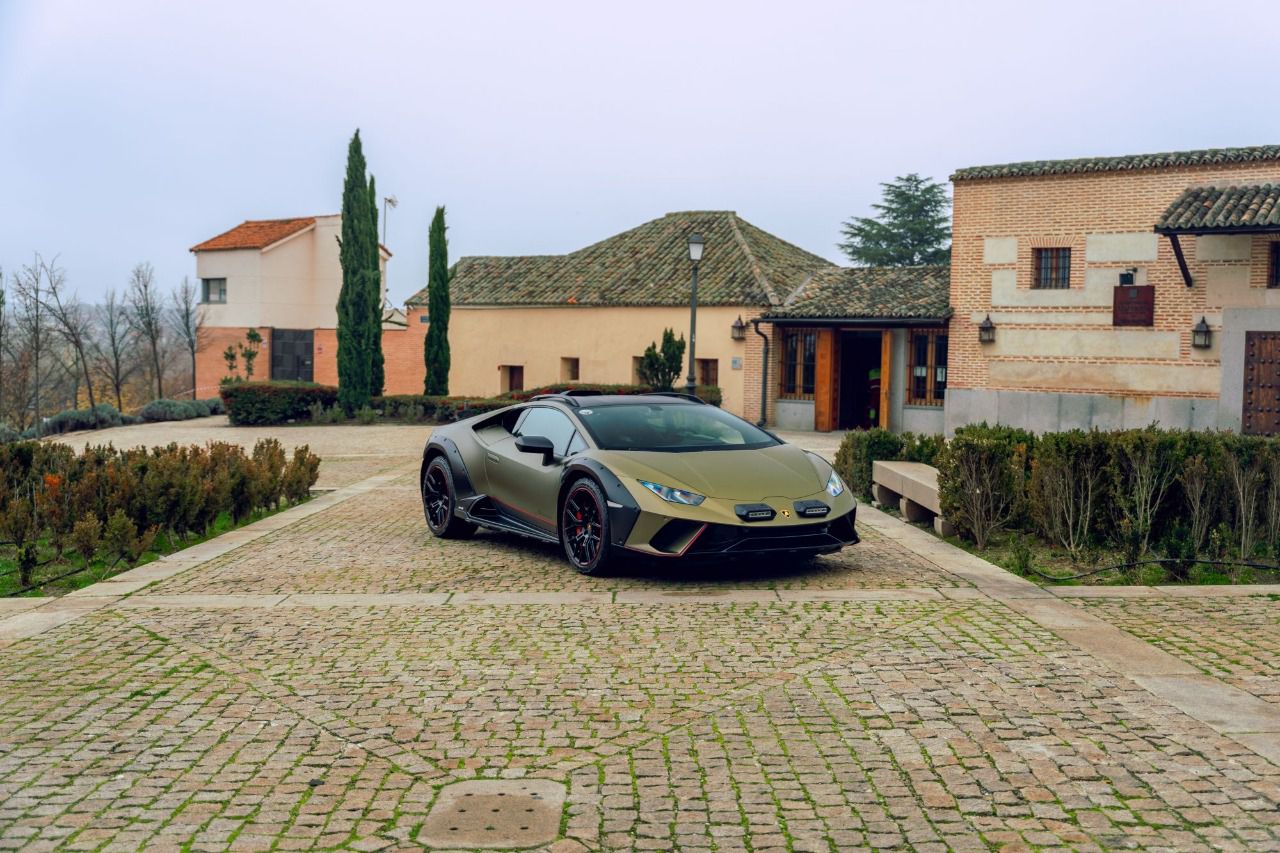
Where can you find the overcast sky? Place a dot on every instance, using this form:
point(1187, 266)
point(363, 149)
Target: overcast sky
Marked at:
point(131, 130)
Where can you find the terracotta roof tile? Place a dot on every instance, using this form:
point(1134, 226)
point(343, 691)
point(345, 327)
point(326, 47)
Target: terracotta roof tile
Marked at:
point(647, 265)
point(1207, 209)
point(1203, 157)
point(255, 234)
point(915, 293)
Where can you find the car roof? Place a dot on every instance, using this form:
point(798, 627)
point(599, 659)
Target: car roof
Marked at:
point(582, 401)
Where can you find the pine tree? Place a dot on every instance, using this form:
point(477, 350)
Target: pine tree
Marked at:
point(354, 342)
point(377, 374)
point(913, 226)
point(436, 346)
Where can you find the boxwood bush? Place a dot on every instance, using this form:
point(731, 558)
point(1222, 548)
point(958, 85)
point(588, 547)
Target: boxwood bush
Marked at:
point(260, 403)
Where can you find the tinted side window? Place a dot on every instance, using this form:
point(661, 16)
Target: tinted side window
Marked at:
point(550, 424)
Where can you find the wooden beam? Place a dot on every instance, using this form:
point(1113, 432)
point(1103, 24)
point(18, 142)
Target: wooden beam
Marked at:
point(1182, 261)
point(886, 375)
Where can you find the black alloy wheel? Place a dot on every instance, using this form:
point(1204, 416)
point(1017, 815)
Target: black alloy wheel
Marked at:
point(584, 527)
point(438, 502)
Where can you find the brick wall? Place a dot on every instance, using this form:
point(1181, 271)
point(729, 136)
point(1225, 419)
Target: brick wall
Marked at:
point(1062, 210)
point(211, 367)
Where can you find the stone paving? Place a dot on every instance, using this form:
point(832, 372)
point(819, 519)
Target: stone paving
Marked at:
point(319, 679)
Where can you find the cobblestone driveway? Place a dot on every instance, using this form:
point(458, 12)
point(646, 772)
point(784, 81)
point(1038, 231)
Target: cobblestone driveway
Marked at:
point(314, 681)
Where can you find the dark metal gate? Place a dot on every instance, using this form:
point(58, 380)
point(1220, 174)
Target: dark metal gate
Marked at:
point(292, 354)
point(1261, 415)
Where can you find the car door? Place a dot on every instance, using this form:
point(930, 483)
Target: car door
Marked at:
point(520, 481)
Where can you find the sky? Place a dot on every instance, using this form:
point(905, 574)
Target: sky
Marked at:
point(130, 130)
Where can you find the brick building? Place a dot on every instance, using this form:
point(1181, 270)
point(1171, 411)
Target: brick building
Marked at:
point(282, 277)
point(1119, 291)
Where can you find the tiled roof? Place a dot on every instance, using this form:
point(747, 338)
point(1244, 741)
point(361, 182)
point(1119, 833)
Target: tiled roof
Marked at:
point(648, 265)
point(917, 293)
point(1224, 209)
point(1204, 157)
point(255, 234)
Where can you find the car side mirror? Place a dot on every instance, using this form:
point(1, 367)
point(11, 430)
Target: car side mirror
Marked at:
point(537, 444)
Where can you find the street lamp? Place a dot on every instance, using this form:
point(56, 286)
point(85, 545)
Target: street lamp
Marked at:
point(394, 203)
point(695, 255)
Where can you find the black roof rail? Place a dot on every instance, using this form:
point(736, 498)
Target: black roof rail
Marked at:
point(694, 397)
point(559, 398)
point(583, 392)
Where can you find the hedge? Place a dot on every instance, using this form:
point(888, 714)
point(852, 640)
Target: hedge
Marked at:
point(115, 502)
point(860, 448)
point(258, 403)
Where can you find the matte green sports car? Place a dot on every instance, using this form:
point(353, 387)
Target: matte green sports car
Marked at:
point(661, 475)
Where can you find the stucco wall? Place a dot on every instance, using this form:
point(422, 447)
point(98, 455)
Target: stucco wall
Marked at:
point(604, 339)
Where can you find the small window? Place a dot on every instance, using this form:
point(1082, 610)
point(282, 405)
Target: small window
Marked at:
point(548, 423)
point(708, 371)
point(1273, 275)
point(799, 363)
point(512, 376)
point(927, 369)
point(577, 444)
point(213, 289)
point(1052, 269)
point(568, 370)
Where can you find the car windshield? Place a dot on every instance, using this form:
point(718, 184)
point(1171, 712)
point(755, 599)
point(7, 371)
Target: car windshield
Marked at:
point(670, 427)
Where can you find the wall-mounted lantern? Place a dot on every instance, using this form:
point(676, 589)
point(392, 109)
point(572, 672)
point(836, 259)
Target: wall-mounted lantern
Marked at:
point(1127, 277)
point(1201, 335)
point(739, 329)
point(987, 331)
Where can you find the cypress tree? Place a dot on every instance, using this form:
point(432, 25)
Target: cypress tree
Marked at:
point(377, 376)
point(354, 344)
point(436, 346)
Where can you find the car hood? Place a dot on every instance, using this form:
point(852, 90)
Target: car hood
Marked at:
point(784, 471)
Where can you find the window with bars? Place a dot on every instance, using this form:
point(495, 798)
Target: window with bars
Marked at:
point(1273, 275)
point(799, 363)
point(1052, 269)
point(927, 368)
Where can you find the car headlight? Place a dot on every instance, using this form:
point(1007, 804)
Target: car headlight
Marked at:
point(675, 496)
point(835, 486)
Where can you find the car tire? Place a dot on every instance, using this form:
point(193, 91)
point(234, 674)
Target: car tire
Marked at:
point(439, 502)
point(584, 527)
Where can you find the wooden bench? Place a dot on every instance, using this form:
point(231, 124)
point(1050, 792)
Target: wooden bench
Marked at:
point(913, 488)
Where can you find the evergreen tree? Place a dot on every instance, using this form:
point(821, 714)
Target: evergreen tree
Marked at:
point(436, 347)
point(661, 368)
point(354, 342)
point(913, 226)
point(377, 374)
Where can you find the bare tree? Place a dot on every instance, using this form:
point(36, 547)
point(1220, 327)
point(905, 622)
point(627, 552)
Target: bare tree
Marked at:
point(4, 327)
point(72, 322)
point(114, 358)
point(187, 321)
point(146, 318)
point(29, 289)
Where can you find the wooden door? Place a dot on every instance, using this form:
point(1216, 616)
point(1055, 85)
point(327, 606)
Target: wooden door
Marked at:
point(824, 389)
point(1261, 415)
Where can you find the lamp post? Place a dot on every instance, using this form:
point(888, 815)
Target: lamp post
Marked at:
point(695, 255)
point(394, 203)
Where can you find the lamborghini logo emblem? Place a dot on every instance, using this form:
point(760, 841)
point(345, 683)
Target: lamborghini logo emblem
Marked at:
point(786, 513)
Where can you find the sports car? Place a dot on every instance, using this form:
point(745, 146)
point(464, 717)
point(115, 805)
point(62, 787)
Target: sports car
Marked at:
point(659, 475)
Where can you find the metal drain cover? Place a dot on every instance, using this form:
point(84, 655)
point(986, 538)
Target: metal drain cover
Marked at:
point(494, 814)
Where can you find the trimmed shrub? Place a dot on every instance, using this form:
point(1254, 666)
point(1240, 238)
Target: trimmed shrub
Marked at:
point(264, 403)
point(1069, 486)
point(172, 410)
point(982, 479)
point(858, 450)
point(213, 405)
point(101, 416)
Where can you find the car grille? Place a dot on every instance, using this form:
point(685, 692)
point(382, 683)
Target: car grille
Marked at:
point(733, 539)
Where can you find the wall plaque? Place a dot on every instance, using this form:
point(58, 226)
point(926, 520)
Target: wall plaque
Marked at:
point(1134, 305)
